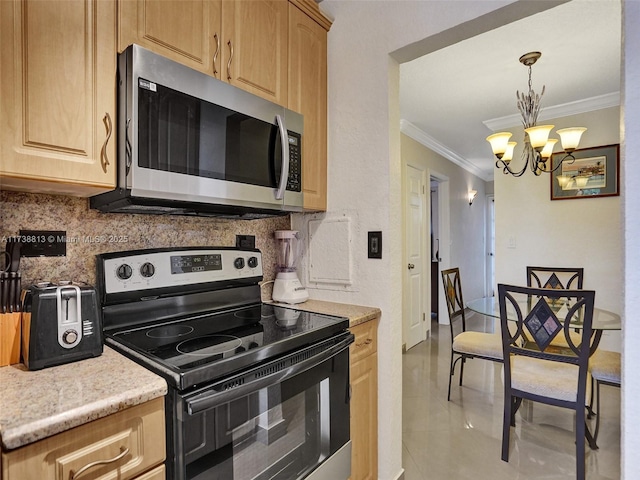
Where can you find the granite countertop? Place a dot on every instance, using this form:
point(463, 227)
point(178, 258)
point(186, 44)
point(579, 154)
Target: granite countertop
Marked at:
point(356, 314)
point(35, 405)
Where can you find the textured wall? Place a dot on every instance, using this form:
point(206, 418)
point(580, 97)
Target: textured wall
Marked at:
point(364, 179)
point(90, 232)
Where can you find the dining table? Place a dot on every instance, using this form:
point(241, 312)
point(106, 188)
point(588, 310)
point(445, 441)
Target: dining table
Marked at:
point(602, 319)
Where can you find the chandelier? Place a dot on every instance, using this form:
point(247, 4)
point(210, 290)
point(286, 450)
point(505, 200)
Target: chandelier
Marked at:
point(538, 147)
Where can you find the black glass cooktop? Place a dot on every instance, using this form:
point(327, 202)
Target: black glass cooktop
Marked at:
point(214, 344)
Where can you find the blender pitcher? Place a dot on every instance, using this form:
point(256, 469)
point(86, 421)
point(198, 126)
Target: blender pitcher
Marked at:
point(287, 287)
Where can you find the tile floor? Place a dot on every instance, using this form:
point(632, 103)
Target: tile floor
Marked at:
point(461, 439)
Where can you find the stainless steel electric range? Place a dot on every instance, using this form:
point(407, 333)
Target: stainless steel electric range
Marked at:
point(256, 391)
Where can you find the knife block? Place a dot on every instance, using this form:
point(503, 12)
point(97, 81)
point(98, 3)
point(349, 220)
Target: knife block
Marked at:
point(10, 329)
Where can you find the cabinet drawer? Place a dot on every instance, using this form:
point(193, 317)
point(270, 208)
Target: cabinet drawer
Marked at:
point(120, 446)
point(366, 341)
point(157, 473)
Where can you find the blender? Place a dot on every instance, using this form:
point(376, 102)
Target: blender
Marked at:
point(287, 287)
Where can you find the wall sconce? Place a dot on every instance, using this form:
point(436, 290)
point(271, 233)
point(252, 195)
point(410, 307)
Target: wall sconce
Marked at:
point(472, 195)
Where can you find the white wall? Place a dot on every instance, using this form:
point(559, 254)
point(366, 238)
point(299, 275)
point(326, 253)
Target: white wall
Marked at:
point(631, 213)
point(467, 245)
point(364, 171)
point(584, 232)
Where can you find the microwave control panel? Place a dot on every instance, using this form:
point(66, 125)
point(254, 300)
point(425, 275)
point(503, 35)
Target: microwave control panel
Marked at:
point(294, 182)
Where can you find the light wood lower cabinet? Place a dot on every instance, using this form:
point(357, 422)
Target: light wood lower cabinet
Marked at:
point(126, 445)
point(364, 401)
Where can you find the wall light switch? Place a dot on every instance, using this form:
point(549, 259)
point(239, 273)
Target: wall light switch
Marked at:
point(375, 245)
point(512, 241)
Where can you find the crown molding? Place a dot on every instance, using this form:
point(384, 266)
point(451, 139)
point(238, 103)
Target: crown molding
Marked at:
point(558, 111)
point(410, 130)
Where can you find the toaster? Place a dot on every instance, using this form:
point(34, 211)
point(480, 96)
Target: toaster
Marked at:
point(61, 323)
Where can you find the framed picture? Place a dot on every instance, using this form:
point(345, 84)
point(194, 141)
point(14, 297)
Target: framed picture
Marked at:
point(595, 172)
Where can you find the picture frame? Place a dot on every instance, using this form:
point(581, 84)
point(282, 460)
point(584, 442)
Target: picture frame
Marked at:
point(595, 172)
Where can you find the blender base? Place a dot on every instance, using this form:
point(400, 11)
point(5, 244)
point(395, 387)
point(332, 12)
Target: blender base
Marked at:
point(288, 289)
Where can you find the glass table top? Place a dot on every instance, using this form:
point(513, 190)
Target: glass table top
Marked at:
point(602, 319)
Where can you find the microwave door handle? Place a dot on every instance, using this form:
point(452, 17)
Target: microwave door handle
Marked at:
point(284, 173)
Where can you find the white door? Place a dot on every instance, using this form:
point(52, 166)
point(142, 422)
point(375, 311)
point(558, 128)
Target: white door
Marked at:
point(416, 284)
point(491, 242)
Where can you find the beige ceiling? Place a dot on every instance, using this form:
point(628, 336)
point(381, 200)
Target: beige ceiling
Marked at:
point(448, 97)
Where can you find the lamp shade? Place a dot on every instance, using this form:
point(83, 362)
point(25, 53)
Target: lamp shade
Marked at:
point(499, 142)
point(548, 148)
point(570, 137)
point(508, 155)
point(563, 180)
point(538, 135)
point(581, 182)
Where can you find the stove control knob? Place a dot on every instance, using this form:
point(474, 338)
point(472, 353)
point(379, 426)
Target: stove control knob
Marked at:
point(124, 272)
point(238, 263)
point(147, 270)
point(69, 337)
point(252, 262)
point(240, 349)
point(253, 345)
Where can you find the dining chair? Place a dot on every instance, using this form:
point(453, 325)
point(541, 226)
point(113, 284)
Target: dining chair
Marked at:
point(465, 344)
point(605, 368)
point(538, 370)
point(555, 277)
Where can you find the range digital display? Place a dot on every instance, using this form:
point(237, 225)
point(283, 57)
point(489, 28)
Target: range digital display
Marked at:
point(195, 263)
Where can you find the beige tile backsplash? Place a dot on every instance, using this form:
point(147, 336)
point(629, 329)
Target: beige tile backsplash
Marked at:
point(90, 232)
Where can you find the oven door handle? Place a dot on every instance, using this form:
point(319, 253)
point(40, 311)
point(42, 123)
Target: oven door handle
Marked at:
point(208, 399)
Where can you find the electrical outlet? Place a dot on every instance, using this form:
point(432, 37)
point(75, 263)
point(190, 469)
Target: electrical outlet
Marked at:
point(246, 241)
point(43, 243)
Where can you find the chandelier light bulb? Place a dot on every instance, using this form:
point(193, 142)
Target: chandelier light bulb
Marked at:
point(570, 138)
point(499, 143)
point(538, 136)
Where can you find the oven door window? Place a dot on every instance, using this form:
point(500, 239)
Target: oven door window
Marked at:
point(281, 432)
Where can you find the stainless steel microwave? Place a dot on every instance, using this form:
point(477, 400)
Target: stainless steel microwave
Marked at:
point(191, 144)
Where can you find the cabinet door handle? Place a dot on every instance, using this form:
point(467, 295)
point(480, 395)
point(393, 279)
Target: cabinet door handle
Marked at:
point(411, 266)
point(215, 55)
point(229, 62)
point(104, 159)
point(123, 452)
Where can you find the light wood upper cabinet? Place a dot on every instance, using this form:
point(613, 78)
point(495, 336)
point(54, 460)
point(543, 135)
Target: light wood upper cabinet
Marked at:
point(185, 31)
point(308, 95)
point(254, 54)
point(240, 42)
point(57, 96)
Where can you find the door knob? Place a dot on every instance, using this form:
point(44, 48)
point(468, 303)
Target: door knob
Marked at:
point(411, 266)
